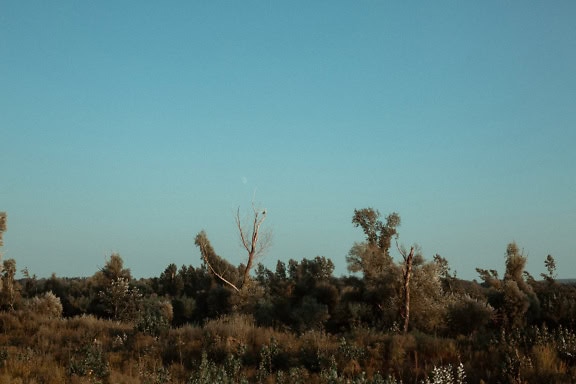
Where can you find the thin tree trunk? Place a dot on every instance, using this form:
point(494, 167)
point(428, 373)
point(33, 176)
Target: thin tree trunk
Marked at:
point(406, 291)
point(253, 247)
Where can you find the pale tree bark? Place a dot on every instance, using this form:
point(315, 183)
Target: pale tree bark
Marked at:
point(2, 226)
point(2, 230)
point(406, 275)
point(254, 242)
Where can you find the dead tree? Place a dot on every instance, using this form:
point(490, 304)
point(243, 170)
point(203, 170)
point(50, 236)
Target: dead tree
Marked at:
point(253, 240)
point(406, 275)
point(2, 226)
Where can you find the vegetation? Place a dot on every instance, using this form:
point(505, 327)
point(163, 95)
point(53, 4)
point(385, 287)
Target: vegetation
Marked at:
point(393, 320)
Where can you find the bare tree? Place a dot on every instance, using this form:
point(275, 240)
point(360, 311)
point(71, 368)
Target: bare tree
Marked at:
point(2, 226)
point(253, 240)
point(406, 275)
point(2, 230)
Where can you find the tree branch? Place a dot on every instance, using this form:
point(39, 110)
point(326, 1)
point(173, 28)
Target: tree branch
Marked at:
point(251, 239)
point(201, 242)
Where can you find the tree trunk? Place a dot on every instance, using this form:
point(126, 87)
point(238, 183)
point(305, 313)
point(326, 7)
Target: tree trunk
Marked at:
point(251, 240)
point(406, 289)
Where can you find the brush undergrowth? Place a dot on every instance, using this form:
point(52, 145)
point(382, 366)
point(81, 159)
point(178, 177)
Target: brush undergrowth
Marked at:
point(233, 349)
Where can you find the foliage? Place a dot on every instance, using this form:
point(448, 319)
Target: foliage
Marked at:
point(90, 361)
point(121, 301)
point(447, 375)
point(296, 323)
point(512, 297)
point(47, 304)
point(155, 316)
point(9, 287)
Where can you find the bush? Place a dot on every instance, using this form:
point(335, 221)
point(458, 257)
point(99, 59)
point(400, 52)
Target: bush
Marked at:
point(47, 305)
point(467, 315)
point(155, 318)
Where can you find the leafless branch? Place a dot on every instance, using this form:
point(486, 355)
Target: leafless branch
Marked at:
point(401, 250)
point(251, 239)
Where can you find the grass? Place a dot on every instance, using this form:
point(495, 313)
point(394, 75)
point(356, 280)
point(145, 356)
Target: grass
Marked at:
point(85, 349)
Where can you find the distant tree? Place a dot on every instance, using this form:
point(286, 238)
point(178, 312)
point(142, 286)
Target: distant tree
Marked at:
point(377, 233)
point(397, 289)
point(121, 301)
point(512, 296)
point(372, 257)
point(425, 297)
point(275, 306)
point(110, 288)
point(443, 268)
point(192, 303)
point(10, 288)
point(3, 227)
point(406, 276)
point(490, 278)
point(112, 270)
point(381, 276)
point(170, 282)
point(2, 230)
point(519, 296)
point(550, 264)
point(309, 297)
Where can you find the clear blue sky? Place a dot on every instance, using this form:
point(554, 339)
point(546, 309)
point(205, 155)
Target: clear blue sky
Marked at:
point(130, 126)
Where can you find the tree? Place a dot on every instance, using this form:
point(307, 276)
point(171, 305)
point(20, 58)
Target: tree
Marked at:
point(121, 301)
point(519, 296)
point(10, 289)
point(512, 296)
point(2, 226)
point(253, 241)
point(222, 269)
point(382, 277)
point(47, 304)
point(392, 288)
point(372, 257)
point(2, 230)
point(550, 264)
point(406, 275)
point(170, 282)
point(109, 287)
point(113, 270)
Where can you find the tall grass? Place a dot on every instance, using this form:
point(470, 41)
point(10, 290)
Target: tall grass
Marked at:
point(233, 349)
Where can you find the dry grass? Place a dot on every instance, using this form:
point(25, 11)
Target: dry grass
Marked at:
point(85, 349)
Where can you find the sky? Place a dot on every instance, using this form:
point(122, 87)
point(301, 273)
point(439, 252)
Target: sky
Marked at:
point(129, 127)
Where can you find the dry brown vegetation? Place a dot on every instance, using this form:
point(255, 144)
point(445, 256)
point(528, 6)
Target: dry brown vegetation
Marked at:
point(295, 324)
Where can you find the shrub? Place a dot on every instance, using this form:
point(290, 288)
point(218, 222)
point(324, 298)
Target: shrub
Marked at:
point(209, 373)
point(90, 361)
point(155, 318)
point(466, 315)
point(48, 305)
point(447, 375)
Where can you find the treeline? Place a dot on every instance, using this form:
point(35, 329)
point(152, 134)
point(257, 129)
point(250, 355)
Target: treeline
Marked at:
point(394, 318)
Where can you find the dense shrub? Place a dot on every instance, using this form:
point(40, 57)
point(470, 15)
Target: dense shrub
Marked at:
point(47, 304)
